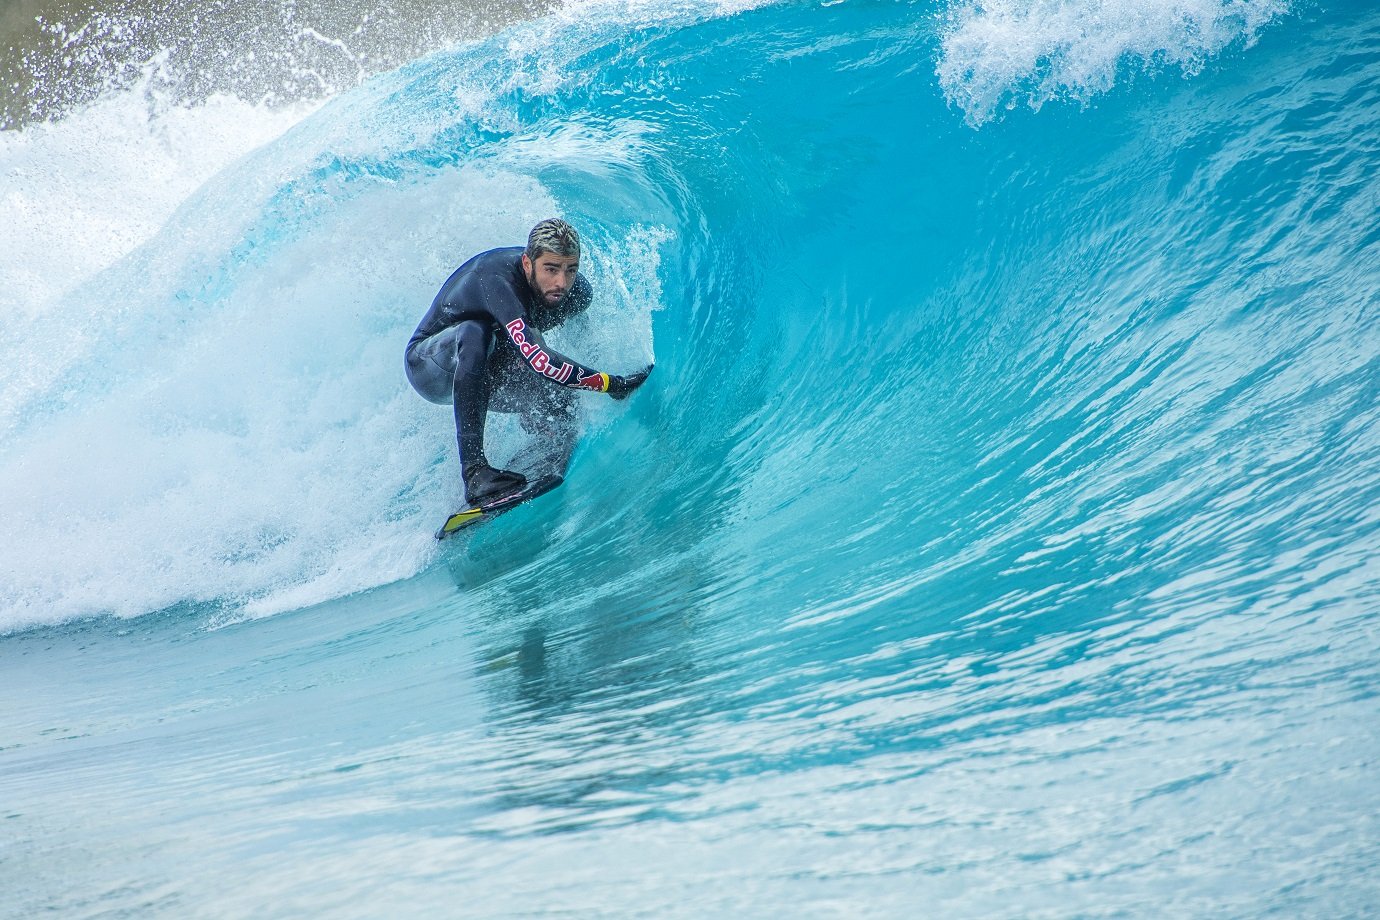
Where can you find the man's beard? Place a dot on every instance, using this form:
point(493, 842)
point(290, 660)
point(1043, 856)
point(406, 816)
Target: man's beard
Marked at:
point(541, 295)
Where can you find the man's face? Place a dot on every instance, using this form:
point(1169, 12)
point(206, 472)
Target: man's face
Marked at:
point(551, 276)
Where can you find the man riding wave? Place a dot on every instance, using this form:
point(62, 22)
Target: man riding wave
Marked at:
point(480, 347)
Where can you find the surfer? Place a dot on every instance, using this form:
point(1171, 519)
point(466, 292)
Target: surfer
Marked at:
point(480, 348)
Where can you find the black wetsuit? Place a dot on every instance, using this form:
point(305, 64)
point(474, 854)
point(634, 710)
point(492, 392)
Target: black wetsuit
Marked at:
point(480, 347)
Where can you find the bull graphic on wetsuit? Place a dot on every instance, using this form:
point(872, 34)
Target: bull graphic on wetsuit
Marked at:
point(480, 347)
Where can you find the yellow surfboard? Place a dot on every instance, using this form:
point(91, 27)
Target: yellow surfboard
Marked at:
point(493, 507)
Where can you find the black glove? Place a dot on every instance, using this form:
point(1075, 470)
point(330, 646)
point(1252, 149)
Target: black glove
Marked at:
point(620, 386)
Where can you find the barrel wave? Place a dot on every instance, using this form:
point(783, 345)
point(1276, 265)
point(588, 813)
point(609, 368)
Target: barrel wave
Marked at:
point(998, 529)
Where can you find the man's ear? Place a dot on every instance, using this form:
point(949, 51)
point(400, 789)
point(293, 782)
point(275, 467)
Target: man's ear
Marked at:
point(526, 264)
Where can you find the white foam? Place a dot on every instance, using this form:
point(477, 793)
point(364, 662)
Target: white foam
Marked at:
point(998, 53)
point(78, 194)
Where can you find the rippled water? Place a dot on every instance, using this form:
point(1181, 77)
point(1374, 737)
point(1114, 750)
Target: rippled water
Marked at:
point(996, 537)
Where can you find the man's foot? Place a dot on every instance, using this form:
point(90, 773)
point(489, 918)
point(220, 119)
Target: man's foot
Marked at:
point(483, 482)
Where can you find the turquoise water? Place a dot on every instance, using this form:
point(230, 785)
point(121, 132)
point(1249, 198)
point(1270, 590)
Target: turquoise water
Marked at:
point(999, 534)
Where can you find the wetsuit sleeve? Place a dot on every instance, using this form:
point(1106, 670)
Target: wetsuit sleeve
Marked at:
point(539, 357)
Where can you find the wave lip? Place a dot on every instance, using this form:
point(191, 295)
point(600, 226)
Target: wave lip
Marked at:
point(1000, 53)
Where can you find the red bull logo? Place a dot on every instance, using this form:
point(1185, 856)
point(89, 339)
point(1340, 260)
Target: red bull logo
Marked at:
point(536, 355)
point(599, 383)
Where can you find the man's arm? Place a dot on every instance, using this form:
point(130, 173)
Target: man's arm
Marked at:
point(539, 357)
point(551, 364)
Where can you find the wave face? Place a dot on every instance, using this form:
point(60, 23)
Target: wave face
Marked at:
point(998, 528)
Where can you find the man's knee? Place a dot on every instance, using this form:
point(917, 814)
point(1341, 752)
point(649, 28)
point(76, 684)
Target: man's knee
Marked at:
point(471, 348)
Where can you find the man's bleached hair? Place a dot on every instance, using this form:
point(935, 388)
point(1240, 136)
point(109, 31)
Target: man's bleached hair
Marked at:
point(555, 236)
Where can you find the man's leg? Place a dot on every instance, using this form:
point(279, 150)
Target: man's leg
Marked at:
point(470, 392)
point(470, 396)
point(453, 366)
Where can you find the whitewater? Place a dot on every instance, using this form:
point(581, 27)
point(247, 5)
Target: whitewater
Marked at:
point(998, 536)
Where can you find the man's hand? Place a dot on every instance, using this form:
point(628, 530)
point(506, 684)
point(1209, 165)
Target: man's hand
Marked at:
point(621, 386)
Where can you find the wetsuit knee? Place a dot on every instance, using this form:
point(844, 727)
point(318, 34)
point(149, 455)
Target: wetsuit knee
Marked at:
point(472, 346)
point(434, 363)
